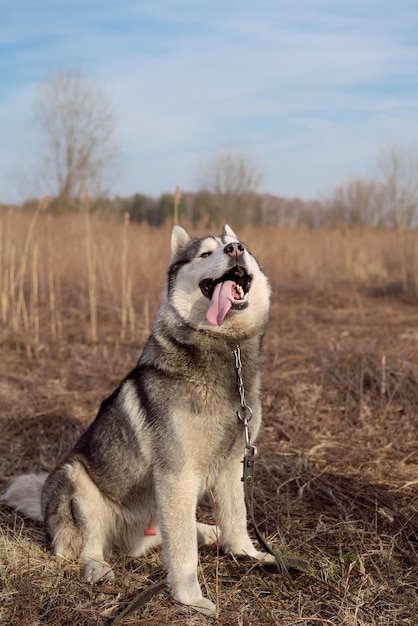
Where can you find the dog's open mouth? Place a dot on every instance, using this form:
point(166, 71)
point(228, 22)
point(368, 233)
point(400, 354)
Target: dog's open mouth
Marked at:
point(230, 291)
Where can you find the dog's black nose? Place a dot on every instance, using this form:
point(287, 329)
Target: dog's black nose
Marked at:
point(234, 249)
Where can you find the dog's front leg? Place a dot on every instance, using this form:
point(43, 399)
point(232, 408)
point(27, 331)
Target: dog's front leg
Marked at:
point(231, 511)
point(177, 500)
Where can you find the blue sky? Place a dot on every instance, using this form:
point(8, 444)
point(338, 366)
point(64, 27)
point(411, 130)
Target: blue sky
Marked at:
point(312, 89)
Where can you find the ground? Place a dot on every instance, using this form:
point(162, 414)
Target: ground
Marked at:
point(336, 472)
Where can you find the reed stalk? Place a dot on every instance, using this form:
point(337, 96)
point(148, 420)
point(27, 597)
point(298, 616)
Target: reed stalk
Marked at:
point(403, 262)
point(4, 265)
point(415, 266)
point(123, 279)
point(147, 325)
point(21, 308)
point(131, 309)
point(91, 268)
point(5, 283)
point(34, 309)
point(1, 267)
point(51, 283)
point(177, 198)
point(12, 288)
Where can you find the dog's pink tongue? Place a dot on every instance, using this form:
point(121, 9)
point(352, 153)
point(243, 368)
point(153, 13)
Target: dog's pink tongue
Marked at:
point(220, 303)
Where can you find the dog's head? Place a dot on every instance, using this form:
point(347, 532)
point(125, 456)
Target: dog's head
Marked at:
point(216, 283)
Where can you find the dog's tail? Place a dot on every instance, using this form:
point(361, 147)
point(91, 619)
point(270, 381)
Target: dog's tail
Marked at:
point(24, 495)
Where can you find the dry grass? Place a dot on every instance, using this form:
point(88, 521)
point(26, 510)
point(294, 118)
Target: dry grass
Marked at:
point(337, 470)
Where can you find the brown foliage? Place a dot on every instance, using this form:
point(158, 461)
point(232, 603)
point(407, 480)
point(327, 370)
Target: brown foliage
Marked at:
point(336, 472)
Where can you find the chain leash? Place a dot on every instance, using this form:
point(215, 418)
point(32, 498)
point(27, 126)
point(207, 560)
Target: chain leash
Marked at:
point(245, 415)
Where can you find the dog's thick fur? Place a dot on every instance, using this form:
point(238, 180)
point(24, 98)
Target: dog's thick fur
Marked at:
point(170, 431)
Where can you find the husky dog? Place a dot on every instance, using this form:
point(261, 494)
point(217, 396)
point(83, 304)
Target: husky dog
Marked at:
point(170, 431)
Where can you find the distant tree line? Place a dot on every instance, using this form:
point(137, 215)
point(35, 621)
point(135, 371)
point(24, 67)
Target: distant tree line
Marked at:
point(390, 200)
point(200, 208)
point(74, 131)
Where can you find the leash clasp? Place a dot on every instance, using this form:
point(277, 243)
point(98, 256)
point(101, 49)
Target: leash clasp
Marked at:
point(249, 448)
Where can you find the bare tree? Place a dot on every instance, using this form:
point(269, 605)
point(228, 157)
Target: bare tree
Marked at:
point(389, 200)
point(232, 177)
point(74, 124)
point(357, 202)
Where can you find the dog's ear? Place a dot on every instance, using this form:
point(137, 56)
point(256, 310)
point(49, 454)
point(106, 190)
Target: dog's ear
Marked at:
point(179, 239)
point(227, 230)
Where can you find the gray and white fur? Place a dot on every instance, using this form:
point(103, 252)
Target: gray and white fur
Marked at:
point(170, 431)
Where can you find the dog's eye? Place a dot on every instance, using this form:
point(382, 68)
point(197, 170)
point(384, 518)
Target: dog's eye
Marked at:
point(205, 254)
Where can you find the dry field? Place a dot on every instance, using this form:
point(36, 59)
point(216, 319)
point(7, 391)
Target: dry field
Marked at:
point(337, 464)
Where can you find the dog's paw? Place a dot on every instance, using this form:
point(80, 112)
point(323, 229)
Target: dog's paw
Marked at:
point(203, 605)
point(97, 570)
point(263, 557)
point(192, 597)
point(207, 534)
